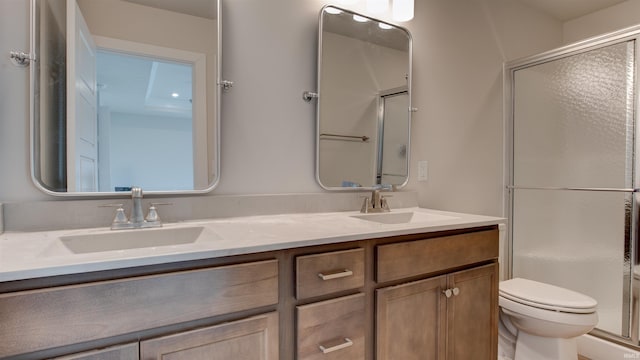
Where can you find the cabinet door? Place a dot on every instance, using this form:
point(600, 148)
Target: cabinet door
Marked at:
point(472, 314)
point(410, 321)
point(255, 338)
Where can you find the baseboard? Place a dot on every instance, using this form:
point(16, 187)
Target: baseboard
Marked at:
point(593, 348)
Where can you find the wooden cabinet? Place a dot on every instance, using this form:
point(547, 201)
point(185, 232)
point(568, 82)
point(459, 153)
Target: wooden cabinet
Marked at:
point(411, 320)
point(255, 338)
point(65, 315)
point(332, 329)
point(452, 315)
point(472, 314)
point(397, 261)
point(415, 296)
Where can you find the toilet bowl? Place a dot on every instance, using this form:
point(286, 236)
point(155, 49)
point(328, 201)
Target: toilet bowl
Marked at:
point(543, 319)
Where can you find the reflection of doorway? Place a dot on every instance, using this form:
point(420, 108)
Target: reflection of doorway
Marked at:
point(82, 152)
point(153, 103)
point(393, 130)
point(146, 119)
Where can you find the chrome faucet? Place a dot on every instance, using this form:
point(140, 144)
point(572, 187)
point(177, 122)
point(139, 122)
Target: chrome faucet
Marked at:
point(378, 202)
point(137, 219)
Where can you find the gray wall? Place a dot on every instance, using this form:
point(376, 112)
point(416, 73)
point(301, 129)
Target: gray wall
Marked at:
point(268, 131)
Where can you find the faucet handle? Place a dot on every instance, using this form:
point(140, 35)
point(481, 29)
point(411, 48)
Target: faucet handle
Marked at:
point(384, 205)
point(366, 205)
point(152, 215)
point(120, 219)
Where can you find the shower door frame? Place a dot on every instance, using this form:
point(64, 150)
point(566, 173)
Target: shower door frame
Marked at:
point(629, 330)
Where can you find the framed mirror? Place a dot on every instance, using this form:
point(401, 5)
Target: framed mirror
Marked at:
point(125, 93)
point(364, 99)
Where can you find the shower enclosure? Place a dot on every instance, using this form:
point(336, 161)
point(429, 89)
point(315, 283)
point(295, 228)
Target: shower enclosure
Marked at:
point(572, 176)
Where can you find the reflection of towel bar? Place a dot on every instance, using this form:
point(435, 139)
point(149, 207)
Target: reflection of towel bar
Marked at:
point(361, 138)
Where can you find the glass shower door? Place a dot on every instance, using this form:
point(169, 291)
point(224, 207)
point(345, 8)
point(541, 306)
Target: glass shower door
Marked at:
point(572, 176)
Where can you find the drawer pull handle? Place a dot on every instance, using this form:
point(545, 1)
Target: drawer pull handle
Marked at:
point(335, 275)
point(343, 344)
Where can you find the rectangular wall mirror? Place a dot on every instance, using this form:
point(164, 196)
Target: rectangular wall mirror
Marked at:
point(124, 93)
point(364, 101)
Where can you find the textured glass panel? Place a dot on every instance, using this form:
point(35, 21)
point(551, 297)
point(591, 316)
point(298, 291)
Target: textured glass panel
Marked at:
point(394, 139)
point(573, 120)
point(575, 239)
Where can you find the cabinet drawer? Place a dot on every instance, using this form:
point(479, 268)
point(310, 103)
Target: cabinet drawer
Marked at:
point(332, 329)
point(413, 258)
point(330, 272)
point(252, 338)
point(121, 352)
point(42, 319)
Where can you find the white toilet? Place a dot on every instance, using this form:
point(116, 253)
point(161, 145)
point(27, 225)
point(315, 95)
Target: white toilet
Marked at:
point(543, 320)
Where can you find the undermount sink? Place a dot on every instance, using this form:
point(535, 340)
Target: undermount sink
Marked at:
point(411, 217)
point(91, 242)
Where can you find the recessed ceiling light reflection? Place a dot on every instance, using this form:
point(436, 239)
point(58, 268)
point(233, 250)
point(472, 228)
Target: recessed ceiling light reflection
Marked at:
point(175, 95)
point(359, 18)
point(384, 26)
point(332, 10)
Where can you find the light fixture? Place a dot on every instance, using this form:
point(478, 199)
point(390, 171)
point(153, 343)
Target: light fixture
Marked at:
point(332, 10)
point(384, 26)
point(175, 95)
point(377, 6)
point(359, 18)
point(402, 10)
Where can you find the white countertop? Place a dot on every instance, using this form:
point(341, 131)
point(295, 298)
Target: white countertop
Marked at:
point(26, 255)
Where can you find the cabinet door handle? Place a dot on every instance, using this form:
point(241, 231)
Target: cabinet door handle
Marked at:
point(455, 291)
point(447, 293)
point(327, 348)
point(335, 274)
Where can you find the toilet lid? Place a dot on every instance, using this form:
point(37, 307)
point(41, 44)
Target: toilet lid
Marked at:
point(546, 296)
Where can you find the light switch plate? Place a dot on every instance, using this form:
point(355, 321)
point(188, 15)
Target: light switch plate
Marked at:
point(423, 171)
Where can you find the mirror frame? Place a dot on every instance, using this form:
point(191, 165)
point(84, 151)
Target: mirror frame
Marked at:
point(33, 157)
point(319, 95)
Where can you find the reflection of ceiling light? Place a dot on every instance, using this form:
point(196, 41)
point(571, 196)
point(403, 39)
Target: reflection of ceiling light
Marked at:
point(402, 10)
point(377, 6)
point(175, 95)
point(359, 18)
point(384, 26)
point(332, 10)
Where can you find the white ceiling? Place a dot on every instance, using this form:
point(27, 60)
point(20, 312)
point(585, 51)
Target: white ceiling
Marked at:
point(139, 85)
point(564, 10)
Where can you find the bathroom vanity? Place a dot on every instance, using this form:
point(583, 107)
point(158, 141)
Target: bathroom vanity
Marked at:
point(302, 286)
